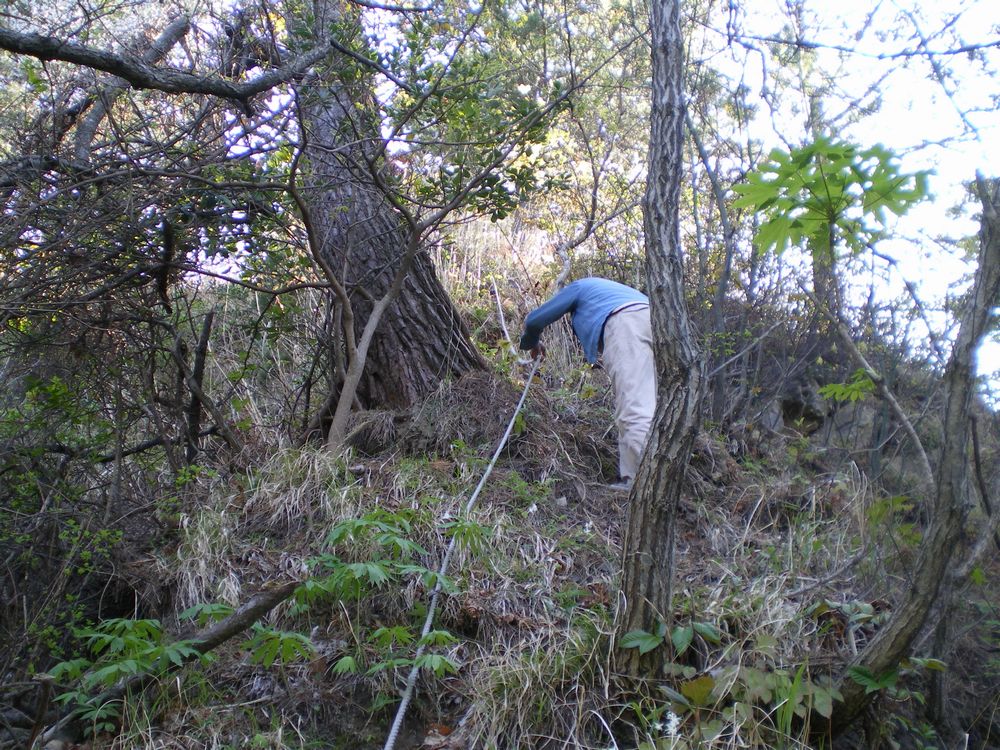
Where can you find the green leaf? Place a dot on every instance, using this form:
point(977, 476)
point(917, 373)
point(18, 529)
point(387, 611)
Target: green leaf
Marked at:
point(470, 534)
point(759, 685)
point(269, 645)
point(825, 190)
point(675, 696)
point(386, 637)
point(977, 576)
point(295, 646)
point(642, 640)
point(69, 670)
point(346, 665)
point(179, 652)
point(765, 644)
point(265, 652)
point(698, 690)
point(708, 631)
point(106, 675)
point(872, 683)
point(792, 704)
point(934, 665)
point(389, 664)
point(681, 637)
point(774, 233)
point(823, 697)
point(204, 613)
point(438, 638)
point(375, 573)
point(432, 578)
point(402, 545)
point(437, 663)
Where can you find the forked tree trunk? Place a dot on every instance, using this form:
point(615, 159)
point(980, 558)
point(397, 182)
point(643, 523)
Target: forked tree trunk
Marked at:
point(648, 547)
point(420, 339)
point(895, 639)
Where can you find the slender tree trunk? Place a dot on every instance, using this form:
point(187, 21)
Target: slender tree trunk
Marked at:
point(895, 639)
point(421, 339)
point(718, 310)
point(648, 548)
point(194, 409)
point(826, 289)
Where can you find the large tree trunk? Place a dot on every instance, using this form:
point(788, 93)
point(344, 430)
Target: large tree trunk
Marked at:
point(420, 339)
point(648, 549)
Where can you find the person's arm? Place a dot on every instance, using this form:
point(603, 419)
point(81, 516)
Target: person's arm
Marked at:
point(563, 302)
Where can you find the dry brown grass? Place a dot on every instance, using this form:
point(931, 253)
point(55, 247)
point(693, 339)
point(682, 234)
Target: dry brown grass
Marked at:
point(760, 543)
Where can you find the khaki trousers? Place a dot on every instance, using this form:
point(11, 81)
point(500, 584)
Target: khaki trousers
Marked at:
point(628, 360)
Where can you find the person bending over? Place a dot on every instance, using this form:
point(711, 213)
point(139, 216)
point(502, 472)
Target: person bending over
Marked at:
point(611, 320)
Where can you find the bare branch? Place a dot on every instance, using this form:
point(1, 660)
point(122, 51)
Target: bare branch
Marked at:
point(367, 62)
point(144, 76)
point(393, 8)
point(106, 96)
point(923, 50)
point(248, 613)
point(932, 571)
point(984, 493)
point(198, 393)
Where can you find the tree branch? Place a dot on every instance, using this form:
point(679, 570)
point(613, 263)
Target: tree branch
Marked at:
point(929, 582)
point(107, 94)
point(977, 462)
point(144, 76)
point(923, 51)
point(198, 375)
point(198, 393)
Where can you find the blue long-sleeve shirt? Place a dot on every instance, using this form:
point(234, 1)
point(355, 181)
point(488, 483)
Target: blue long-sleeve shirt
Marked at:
point(589, 302)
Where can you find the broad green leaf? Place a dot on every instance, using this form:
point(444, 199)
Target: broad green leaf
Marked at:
point(376, 573)
point(827, 190)
point(759, 685)
point(698, 690)
point(977, 576)
point(673, 695)
point(69, 670)
point(681, 637)
point(870, 682)
point(389, 664)
point(386, 637)
point(708, 631)
point(204, 613)
point(641, 640)
point(438, 638)
point(823, 697)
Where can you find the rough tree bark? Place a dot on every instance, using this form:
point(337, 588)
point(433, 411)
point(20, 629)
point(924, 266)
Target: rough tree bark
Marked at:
point(421, 339)
point(648, 548)
point(951, 503)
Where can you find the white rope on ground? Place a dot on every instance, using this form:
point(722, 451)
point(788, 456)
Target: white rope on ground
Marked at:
point(411, 680)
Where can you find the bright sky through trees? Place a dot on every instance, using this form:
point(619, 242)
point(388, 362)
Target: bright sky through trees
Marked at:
point(919, 76)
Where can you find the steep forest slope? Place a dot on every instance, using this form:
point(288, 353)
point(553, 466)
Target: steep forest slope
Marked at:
point(800, 520)
point(262, 265)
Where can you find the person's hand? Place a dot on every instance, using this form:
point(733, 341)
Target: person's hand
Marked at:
point(538, 352)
